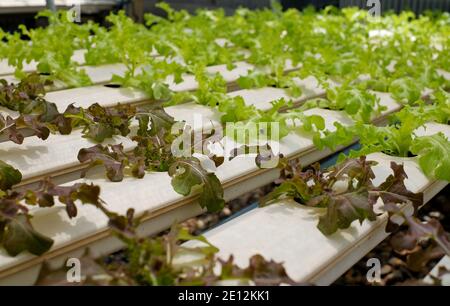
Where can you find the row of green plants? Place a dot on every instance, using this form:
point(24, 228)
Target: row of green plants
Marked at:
point(328, 44)
point(153, 139)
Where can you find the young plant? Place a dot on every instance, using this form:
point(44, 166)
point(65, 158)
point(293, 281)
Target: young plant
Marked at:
point(17, 233)
point(360, 105)
point(398, 139)
point(164, 261)
point(345, 191)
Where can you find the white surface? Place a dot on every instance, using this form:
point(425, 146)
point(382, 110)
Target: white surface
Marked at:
point(102, 74)
point(307, 254)
point(445, 263)
point(11, 3)
point(6, 69)
point(39, 158)
point(152, 193)
point(28, 6)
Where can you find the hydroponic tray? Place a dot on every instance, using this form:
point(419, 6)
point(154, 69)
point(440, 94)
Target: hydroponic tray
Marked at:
point(290, 226)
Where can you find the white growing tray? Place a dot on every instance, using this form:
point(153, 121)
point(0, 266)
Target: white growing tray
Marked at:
point(308, 255)
point(152, 194)
point(57, 155)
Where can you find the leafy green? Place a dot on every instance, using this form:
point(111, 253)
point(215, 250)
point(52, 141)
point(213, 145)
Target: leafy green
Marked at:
point(101, 123)
point(330, 45)
point(36, 114)
point(164, 261)
point(338, 45)
point(188, 174)
point(259, 79)
point(345, 190)
point(397, 139)
point(434, 155)
point(359, 104)
point(9, 176)
point(114, 159)
point(407, 242)
point(52, 48)
point(405, 90)
point(17, 233)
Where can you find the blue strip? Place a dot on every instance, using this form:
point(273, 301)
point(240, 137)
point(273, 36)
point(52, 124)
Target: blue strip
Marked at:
point(332, 159)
